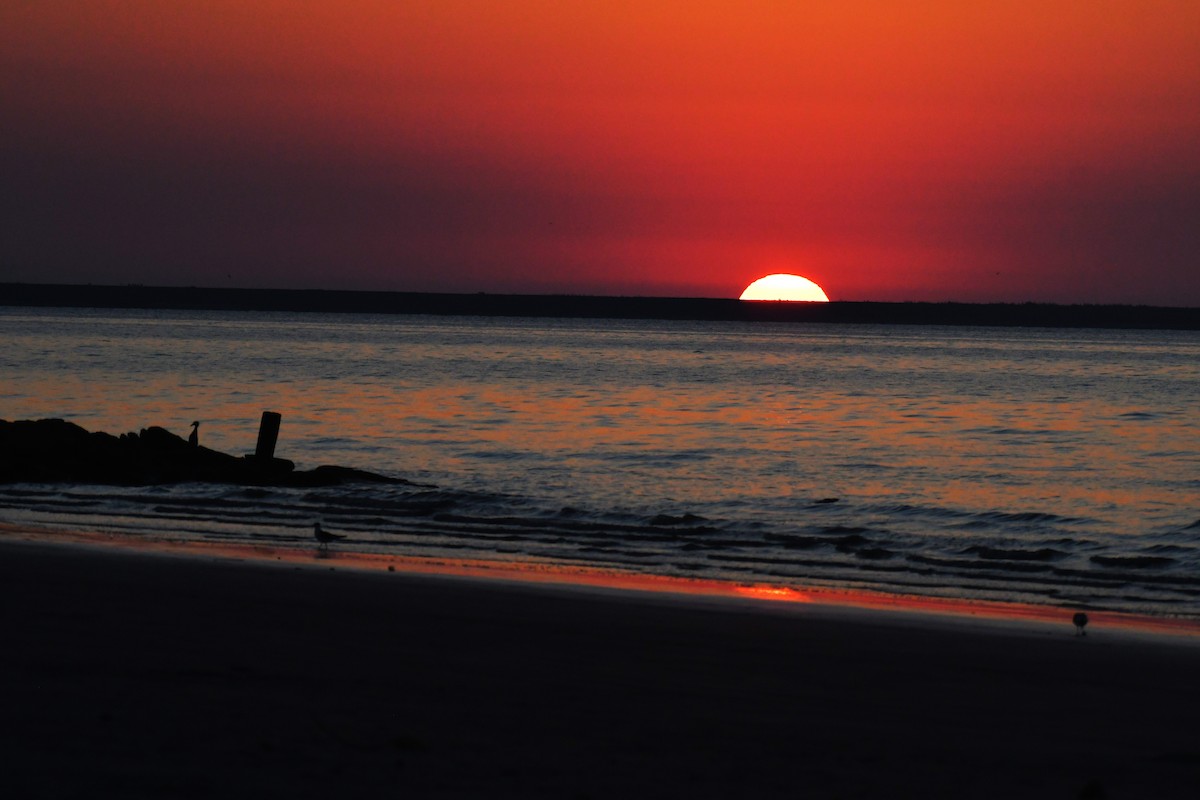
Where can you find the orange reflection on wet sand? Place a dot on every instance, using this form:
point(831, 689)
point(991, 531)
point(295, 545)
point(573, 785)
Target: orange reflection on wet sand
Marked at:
point(762, 591)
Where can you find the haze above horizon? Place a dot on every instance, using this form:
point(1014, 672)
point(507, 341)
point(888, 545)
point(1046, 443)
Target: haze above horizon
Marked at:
point(1016, 153)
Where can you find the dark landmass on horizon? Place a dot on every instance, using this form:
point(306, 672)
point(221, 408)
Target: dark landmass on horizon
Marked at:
point(1048, 315)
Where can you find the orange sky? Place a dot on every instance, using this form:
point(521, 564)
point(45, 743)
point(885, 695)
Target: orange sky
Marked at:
point(890, 151)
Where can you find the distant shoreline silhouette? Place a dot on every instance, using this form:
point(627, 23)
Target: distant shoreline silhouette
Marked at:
point(1048, 315)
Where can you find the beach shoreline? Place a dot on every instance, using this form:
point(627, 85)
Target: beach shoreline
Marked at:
point(157, 673)
point(907, 609)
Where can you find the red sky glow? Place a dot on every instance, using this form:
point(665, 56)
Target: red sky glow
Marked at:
point(888, 151)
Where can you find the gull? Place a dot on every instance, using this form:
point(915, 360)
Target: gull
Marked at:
point(194, 436)
point(324, 536)
point(1080, 620)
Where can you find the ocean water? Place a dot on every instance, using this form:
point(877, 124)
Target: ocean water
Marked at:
point(1057, 467)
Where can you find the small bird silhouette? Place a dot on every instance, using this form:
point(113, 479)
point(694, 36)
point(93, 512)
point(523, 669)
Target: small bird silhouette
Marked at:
point(325, 537)
point(1080, 619)
point(194, 436)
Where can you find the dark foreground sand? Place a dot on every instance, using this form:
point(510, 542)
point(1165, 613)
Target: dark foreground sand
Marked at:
point(134, 675)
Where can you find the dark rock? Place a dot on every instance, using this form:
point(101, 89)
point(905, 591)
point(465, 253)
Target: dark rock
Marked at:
point(329, 475)
point(56, 451)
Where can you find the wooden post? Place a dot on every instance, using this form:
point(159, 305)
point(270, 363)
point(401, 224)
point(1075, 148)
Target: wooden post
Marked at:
point(268, 433)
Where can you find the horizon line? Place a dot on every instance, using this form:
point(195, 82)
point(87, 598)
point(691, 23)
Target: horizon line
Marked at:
point(578, 295)
point(1028, 314)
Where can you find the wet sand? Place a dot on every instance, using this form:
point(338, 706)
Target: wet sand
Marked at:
point(138, 674)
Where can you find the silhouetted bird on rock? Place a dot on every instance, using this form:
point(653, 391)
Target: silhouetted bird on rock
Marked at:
point(1080, 620)
point(325, 537)
point(194, 436)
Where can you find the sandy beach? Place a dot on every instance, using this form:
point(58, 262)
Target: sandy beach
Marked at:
point(137, 674)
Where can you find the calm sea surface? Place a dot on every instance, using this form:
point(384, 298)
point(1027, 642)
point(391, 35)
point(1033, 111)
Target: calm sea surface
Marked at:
point(1048, 466)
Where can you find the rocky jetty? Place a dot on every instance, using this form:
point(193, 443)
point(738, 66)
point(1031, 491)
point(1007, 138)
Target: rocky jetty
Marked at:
point(56, 451)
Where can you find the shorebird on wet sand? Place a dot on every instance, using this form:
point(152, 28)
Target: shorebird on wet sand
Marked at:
point(1080, 620)
point(325, 537)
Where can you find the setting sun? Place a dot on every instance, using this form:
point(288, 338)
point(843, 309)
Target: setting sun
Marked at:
point(782, 286)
